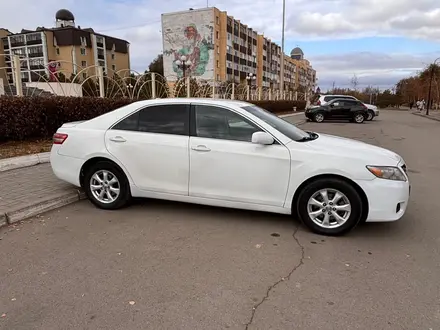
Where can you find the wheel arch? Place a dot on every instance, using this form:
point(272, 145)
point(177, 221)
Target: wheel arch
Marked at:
point(359, 190)
point(90, 162)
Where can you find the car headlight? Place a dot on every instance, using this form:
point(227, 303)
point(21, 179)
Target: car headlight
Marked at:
point(387, 172)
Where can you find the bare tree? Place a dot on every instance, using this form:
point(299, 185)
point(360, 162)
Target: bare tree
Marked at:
point(354, 82)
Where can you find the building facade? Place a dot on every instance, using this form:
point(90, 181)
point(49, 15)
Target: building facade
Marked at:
point(65, 49)
point(223, 49)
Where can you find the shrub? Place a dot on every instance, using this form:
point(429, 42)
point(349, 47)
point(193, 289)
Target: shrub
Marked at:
point(23, 118)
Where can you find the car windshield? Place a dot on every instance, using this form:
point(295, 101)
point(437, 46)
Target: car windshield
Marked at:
point(284, 127)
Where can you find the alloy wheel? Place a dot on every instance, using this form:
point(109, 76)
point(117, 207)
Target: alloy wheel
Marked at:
point(319, 117)
point(105, 186)
point(329, 208)
point(359, 118)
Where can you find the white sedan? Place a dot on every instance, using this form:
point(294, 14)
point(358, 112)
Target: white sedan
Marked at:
point(230, 154)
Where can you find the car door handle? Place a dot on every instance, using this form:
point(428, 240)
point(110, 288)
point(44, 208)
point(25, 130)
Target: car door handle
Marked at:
point(201, 148)
point(119, 139)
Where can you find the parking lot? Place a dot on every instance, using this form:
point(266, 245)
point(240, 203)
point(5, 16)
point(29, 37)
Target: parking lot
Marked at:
point(163, 265)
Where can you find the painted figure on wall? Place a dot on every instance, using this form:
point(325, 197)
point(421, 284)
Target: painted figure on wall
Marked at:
point(196, 49)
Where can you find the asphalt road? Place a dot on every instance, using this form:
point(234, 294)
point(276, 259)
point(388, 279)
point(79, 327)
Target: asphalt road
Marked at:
point(160, 265)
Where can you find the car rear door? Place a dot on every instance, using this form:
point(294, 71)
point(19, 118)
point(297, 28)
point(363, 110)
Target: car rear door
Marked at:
point(346, 112)
point(153, 146)
point(226, 165)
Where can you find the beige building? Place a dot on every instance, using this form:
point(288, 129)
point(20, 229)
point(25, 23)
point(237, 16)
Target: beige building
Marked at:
point(222, 48)
point(66, 49)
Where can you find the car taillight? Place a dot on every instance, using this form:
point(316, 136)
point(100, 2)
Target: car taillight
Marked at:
point(319, 102)
point(59, 138)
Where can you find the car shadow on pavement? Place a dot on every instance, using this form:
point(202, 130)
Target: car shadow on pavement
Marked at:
point(286, 222)
point(216, 213)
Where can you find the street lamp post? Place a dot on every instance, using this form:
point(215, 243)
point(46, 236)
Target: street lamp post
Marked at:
point(130, 90)
point(183, 63)
point(431, 76)
point(250, 77)
point(282, 49)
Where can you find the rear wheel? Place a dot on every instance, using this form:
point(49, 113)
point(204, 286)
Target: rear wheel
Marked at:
point(318, 117)
point(106, 186)
point(358, 118)
point(330, 206)
point(370, 115)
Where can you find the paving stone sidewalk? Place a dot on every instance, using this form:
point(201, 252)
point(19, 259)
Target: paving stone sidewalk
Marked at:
point(29, 189)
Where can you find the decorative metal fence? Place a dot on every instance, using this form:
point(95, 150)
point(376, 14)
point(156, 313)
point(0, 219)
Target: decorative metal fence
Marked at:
point(91, 81)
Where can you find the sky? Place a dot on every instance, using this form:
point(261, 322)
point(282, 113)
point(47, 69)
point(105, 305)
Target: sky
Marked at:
point(379, 41)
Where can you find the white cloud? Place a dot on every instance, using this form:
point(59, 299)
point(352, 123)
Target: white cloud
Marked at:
point(138, 21)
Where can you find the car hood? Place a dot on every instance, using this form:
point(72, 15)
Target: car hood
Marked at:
point(355, 149)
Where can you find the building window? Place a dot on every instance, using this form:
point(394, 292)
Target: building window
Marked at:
point(218, 64)
point(113, 67)
point(217, 20)
point(101, 63)
point(218, 50)
point(58, 51)
point(83, 63)
point(84, 75)
point(83, 51)
point(218, 77)
point(217, 35)
point(113, 56)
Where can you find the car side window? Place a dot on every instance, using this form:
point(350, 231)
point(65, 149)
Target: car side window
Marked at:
point(219, 123)
point(328, 98)
point(129, 123)
point(350, 103)
point(165, 119)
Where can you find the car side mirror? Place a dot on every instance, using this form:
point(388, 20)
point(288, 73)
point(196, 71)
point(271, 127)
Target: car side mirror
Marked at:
point(262, 138)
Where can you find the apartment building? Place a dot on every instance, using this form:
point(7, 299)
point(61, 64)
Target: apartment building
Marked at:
point(222, 48)
point(65, 48)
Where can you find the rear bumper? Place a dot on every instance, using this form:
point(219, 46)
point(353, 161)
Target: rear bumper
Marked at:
point(388, 200)
point(66, 168)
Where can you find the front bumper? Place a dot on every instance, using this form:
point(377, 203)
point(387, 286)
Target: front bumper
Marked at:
point(387, 199)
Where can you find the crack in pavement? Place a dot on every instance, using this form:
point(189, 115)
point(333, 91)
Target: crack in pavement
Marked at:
point(270, 288)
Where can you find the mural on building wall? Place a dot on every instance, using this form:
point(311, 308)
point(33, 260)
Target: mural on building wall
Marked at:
point(192, 38)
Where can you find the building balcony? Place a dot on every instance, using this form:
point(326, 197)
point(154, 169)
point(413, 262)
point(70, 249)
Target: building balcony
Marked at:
point(35, 42)
point(17, 43)
point(101, 56)
point(100, 44)
point(39, 54)
point(37, 67)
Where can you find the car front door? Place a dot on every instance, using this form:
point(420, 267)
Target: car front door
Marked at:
point(153, 146)
point(226, 165)
point(335, 109)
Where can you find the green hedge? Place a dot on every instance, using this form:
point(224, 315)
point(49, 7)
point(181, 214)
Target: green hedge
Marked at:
point(23, 118)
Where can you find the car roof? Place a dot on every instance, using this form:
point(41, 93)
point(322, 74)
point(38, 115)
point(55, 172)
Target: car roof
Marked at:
point(106, 120)
point(185, 100)
point(334, 95)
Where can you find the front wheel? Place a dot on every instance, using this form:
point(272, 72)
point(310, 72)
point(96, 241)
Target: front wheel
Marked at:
point(318, 117)
point(358, 118)
point(330, 206)
point(370, 115)
point(106, 186)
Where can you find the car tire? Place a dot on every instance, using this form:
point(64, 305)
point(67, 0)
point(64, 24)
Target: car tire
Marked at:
point(114, 192)
point(326, 218)
point(318, 117)
point(370, 115)
point(358, 118)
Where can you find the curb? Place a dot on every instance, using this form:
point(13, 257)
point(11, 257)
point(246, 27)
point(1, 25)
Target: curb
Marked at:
point(425, 116)
point(24, 161)
point(46, 205)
